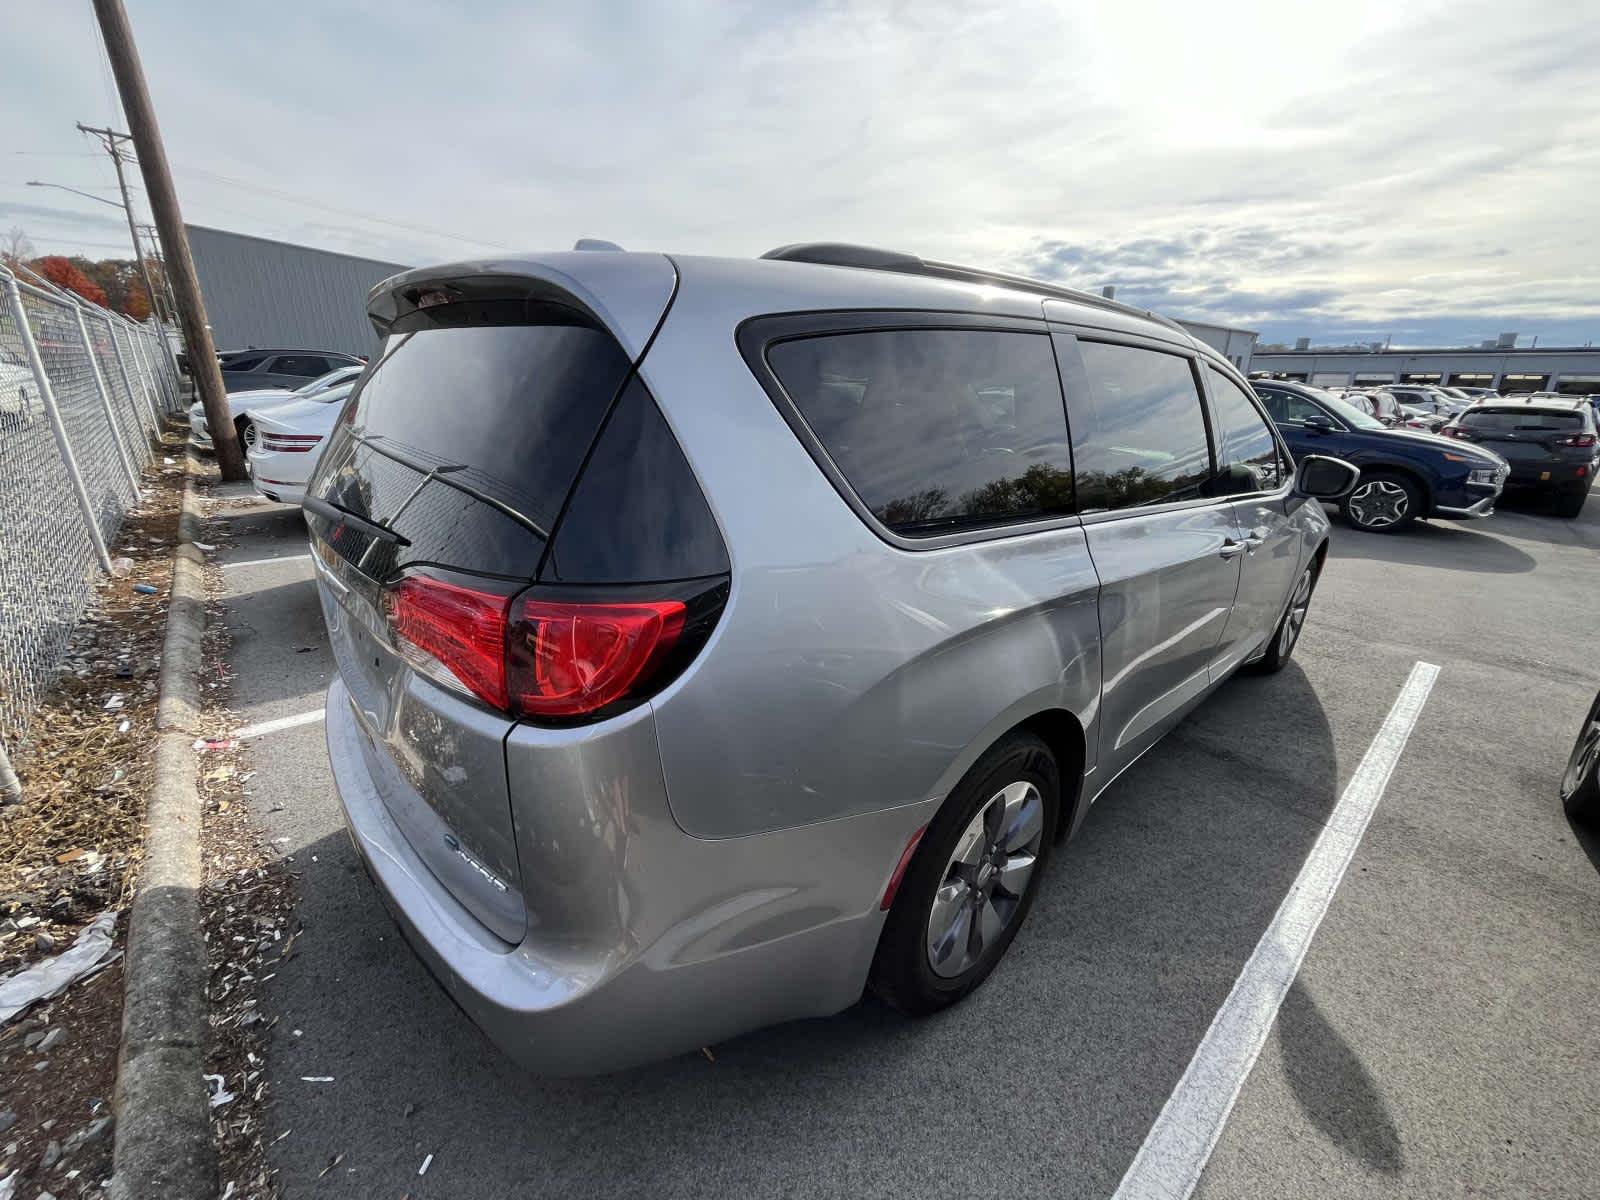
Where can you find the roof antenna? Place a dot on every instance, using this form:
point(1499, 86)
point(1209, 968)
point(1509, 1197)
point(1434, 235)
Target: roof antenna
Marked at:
point(597, 244)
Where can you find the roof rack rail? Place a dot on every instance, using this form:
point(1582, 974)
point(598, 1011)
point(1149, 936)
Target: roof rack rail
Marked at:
point(871, 258)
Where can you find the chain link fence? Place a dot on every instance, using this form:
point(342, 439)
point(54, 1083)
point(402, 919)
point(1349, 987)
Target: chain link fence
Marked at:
point(83, 391)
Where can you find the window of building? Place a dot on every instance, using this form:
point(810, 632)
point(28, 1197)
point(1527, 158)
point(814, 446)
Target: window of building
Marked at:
point(1139, 435)
point(936, 429)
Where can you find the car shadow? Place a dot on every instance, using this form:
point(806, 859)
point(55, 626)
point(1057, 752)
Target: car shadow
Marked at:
point(1443, 545)
point(1064, 1057)
point(1333, 1086)
point(1587, 837)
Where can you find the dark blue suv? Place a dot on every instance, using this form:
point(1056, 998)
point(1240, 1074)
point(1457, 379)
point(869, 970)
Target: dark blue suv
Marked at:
point(1404, 475)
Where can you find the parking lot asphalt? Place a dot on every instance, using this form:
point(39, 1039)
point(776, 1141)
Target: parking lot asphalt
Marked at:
point(1440, 1038)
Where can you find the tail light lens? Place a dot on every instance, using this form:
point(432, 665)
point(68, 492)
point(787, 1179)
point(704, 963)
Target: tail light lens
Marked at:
point(290, 443)
point(567, 659)
point(455, 635)
point(1581, 440)
point(543, 656)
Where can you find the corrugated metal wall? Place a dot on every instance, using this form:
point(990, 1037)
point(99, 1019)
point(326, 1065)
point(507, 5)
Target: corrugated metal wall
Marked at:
point(265, 293)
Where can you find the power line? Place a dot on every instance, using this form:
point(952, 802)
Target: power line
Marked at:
point(345, 212)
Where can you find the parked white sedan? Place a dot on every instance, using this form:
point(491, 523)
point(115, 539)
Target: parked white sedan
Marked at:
point(286, 440)
point(240, 403)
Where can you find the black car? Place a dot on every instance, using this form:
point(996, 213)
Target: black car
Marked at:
point(1550, 444)
point(1404, 474)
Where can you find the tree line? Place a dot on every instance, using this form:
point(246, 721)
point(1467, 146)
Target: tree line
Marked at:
point(113, 283)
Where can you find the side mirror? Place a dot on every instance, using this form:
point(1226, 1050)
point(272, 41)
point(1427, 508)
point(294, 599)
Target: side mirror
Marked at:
point(1317, 423)
point(1320, 477)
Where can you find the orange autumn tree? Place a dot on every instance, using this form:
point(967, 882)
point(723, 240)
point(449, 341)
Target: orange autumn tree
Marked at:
point(136, 303)
point(65, 274)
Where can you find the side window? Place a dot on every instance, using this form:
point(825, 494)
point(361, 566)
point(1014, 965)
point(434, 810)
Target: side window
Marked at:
point(1286, 408)
point(245, 362)
point(299, 364)
point(936, 429)
point(1247, 453)
point(1139, 436)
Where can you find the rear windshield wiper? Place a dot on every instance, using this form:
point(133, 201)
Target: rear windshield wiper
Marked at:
point(335, 512)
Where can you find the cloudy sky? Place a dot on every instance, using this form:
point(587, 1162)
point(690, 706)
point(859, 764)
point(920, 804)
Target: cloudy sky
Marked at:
point(1425, 171)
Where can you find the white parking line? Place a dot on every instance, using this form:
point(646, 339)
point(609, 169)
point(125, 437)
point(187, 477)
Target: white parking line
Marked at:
point(257, 562)
point(279, 724)
point(1180, 1142)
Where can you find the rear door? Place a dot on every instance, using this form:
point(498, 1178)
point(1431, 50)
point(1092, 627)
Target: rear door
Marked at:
point(1167, 551)
point(453, 461)
point(1259, 474)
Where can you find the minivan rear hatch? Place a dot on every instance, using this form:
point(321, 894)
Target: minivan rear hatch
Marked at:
point(447, 471)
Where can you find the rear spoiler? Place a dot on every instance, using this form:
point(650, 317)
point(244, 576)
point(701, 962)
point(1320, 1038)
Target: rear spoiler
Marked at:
point(626, 294)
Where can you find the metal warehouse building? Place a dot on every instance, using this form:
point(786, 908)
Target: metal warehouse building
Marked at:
point(264, 293)
point(1573, 370)
point(1236, 345)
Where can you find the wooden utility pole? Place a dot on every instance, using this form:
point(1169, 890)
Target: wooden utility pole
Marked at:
point(124, 55)
point(112, 141)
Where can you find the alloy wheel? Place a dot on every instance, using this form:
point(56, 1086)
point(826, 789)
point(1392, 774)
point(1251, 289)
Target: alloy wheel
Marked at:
point(250, 435)
point(1379, 503)
point(986, 878)
point(1584, 756)
point(1294, 620)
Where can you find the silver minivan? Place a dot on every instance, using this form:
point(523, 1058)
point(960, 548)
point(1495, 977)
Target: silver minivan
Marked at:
point(719, 637)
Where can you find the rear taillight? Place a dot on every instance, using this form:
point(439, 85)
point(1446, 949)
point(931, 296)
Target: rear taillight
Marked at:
point(290, 443)
point(567, 659)
point(1581, 440)
point(454, 634)
point(542, 656)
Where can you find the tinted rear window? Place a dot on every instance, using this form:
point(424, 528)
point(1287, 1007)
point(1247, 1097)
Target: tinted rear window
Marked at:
point(936, 429)
point(467, 439)
point(1139, 436)
point(1522, 420)
point(637, 515)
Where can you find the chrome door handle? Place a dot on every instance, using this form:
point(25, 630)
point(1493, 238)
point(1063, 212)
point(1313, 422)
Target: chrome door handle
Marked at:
point(1231, 548)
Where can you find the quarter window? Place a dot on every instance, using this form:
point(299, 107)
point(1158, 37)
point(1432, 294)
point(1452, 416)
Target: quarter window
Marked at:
point(1139, 435)
point(936, 429)
point(1247, 452)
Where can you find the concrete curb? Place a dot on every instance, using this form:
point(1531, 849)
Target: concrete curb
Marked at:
point(163, 1139)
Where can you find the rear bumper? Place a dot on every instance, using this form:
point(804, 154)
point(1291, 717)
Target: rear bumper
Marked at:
point(280, 476)
point(703, 940)
point(1552, 476)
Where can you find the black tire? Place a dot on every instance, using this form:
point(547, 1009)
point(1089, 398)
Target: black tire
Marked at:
point(903, 973)
point(1570, 504)
point(242, 426)
point(1379, 485)
point(1580, 782)
point(1287, 635)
